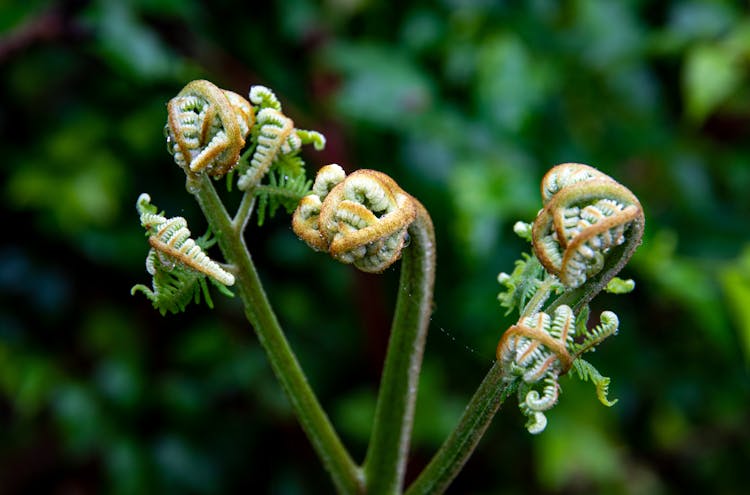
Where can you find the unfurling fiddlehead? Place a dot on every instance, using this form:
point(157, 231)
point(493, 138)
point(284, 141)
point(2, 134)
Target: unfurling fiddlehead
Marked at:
point(177, 263)
point(540, 348)
point(588, 229)
point(276, 140)
point(360, 219)
point(586, 214)
point(206, 128)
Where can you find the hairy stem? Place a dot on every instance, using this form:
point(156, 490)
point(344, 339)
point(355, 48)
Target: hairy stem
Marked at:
point(539, 298)
point(387, 454)
point(346, 475)
point(243, 212)
point(458, 447)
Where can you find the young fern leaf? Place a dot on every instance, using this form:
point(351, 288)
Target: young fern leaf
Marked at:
point(620, 286)
point(263, 97)
point(521, 284)
point(586, 214)
point(178, 265)
point(360, 219)
point(312, 137)
point(586, 371)
point(275, 141)
point(608, 327)
point(206, 128)
point(271, 137)
point(541, 347)
point(281, 191)
point(174, 287)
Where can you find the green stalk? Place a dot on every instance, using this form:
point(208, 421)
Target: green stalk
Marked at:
point(493, 390)
point(346, 475)
point(489, 396)
point(385, 463)
point(458, 447)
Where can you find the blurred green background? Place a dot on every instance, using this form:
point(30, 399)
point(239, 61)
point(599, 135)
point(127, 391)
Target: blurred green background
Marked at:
point(465, 103)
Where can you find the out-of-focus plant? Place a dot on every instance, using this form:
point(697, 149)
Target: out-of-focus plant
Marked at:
point(587, 231)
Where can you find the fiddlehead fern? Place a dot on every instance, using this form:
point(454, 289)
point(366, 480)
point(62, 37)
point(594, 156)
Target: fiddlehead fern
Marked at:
point(206, 128)
point(542, 347)
point(360, 219)
point(177, 263)
point(275, 140)
point(587, 218)
point(586, 214)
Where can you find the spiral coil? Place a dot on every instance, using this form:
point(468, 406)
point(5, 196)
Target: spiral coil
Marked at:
point(586, 213)
point(361, 219)
point(275, 135)
point(206, 128)
point(539, 349)
point(170, 240)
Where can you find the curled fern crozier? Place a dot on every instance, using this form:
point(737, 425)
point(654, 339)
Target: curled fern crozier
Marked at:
point(170, 239)
point(360, 219)
point(275, 138)
point(586, 214)
point(542, 347)
point(206, 128)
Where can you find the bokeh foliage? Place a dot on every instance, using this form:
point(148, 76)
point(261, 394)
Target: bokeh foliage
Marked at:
point(466, 104)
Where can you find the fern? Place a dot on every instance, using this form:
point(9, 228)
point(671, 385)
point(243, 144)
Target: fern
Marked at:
point(177, 263)
point(620, 286)
point(281, 191)
point(174, 285)
point(608, 326)
point(291, 165)
point(521, 284)
point(586, 371)
point(315, 138)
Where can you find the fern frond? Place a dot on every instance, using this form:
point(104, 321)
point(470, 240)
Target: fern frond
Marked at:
point(175, 286)
point(206, 128)
point(315, 138)
point(177, 263)
point(281, 191)
point(620, 286)
point(608, 326)
point(273, 131)
point(586, 371)
point(264, 98)
point(541, 347)
point(586, 214)
point(275, 142)
point(521, 284)
point(291, 165)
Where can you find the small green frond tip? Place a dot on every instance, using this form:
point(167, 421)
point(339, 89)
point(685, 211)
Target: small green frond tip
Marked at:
point(315, 138)
point(620, 286)
point(587, 372)
point(523, 230)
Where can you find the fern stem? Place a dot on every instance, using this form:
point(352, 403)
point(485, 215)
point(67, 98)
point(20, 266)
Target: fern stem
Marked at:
point(458, 447)
point(243, 212)
point(346, 475)
point(386, 458)
point(492, 392)
point(539, 298)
